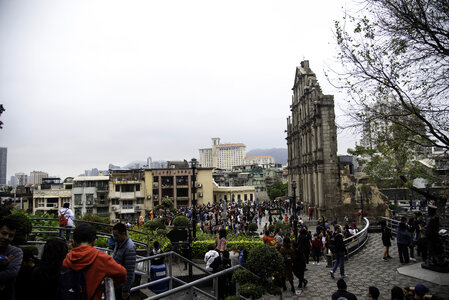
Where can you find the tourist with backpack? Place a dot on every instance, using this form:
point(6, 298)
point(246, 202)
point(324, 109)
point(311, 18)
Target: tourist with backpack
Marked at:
point(340, 252)
point(84, 268)
point(66, 217)
point(288, 253)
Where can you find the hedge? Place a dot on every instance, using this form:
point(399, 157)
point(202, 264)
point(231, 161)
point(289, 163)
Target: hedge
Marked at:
point(199, 248)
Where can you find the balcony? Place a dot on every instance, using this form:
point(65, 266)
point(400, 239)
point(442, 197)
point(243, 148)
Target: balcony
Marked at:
point(101, 203)
point(128, 195)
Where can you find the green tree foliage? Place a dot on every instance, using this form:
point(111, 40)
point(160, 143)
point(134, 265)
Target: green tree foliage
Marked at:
point(181, 221)
point(265, 261)
point(398, 50)
point(394, 58)
point(158, 223)
point(277, 189)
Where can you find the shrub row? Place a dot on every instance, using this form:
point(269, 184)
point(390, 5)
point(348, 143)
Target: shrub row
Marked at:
point(199, 248)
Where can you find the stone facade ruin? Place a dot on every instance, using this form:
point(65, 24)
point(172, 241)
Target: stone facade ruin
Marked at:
point(312, 145)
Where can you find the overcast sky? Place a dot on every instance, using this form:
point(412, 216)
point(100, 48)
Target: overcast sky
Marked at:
point(88, 83)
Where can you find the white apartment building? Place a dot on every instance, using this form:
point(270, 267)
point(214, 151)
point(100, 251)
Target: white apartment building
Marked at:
point(36, 177)
point(222, 156)
point(51, 195)
point(259, 160)
point(90, 195)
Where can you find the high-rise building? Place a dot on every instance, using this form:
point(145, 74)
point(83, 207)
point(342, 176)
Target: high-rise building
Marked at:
point(3, 163)
point(222, 156)
point(36, 177)
point(21, 178)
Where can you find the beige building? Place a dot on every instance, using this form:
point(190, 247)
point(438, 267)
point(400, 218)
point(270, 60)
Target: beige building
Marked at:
point(259, 160)
point(175, 183)
point(37, 176)
point(127, 195)
point(222, 156)
point(50, 196)
point(233, 193)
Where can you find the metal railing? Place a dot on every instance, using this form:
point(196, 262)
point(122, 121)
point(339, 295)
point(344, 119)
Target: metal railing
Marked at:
point(190, 286)
point(54, 230)
point(394, 224)
point(353, 243)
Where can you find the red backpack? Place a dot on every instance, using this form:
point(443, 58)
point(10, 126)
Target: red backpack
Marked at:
point(63, 220)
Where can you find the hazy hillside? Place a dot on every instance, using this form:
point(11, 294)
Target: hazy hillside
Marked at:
point(280, 154)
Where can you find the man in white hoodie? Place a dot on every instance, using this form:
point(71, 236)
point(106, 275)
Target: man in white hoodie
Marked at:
point(69, 216)
point(210, 256)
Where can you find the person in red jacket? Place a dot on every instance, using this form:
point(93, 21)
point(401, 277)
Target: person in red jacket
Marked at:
point(269, 239)
point(98, 264)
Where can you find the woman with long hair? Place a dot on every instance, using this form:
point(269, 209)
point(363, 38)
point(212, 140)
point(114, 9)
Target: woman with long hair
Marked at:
point(221, 240)
point(45, 276)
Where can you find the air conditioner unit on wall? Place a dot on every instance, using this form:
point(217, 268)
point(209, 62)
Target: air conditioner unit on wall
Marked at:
point(200, 194)
point(198, 185)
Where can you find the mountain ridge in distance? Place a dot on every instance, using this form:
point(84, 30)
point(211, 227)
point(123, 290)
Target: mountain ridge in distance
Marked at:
point(280, 154)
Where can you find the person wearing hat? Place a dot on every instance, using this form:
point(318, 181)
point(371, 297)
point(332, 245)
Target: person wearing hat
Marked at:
point(342, 293)
point(420, 291)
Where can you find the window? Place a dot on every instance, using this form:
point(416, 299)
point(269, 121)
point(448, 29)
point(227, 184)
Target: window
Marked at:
point(89, 199)
point(89, 210)
point(137, 187)
point(117, 188)
point(127, 188)
point(245, 197)
point(77, 199)
point(127, 204)
point(40, 202)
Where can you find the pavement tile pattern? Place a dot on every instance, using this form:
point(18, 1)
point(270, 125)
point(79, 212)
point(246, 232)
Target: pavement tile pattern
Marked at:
point(364, 269)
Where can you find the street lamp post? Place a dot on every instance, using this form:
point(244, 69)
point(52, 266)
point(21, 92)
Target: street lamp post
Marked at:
point(193, 164)
point(295, 216)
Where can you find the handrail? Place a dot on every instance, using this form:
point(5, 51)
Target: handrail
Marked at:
point(109, 288)
point(392, 224)
point(170, 278)
point(191, 284)
point(354, 243)
point(99, 234)
point(169, 254)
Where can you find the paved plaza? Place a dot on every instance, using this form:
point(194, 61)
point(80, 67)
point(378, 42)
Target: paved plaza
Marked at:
point(364, 269)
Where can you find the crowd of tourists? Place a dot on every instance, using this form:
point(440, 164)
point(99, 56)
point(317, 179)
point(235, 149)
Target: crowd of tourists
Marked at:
point(65, 270)
point(58, 272)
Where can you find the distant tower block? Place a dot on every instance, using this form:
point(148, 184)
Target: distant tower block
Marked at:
point(312, 144)
point(149, 162)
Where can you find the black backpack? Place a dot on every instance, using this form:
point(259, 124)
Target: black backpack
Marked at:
point(331, 244)
point(72, 285)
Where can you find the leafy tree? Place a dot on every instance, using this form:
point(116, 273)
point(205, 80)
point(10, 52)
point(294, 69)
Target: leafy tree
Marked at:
point(277, 189)
point(400, 52)
point(395, 57)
